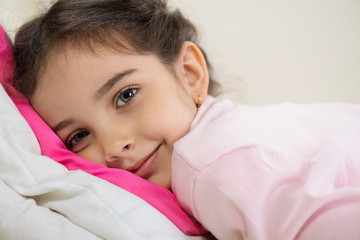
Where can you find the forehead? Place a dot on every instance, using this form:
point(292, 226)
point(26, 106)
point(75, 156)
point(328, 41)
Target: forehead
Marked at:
point(79, 67)
point(65, 54)
point(73, 63)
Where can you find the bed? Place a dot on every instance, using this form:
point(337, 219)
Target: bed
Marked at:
point(47, 192)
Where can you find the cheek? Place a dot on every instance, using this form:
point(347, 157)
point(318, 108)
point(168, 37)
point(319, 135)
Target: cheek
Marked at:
point(93, 154)
point(170, 122)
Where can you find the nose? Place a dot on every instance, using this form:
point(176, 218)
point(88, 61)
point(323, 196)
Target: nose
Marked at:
point(116, 149)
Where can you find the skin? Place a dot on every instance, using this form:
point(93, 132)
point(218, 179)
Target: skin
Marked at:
point(121, 109)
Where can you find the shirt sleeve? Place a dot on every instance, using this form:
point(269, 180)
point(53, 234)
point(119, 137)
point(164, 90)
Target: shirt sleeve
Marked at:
point(257, 193)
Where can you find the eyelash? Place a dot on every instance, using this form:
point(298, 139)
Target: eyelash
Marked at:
point(130, 90)
point(69, 143)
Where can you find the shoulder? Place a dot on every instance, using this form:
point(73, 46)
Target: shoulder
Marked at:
point(222, 128)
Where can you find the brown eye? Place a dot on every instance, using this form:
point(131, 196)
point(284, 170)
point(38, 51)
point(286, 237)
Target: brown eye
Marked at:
point(125, 96)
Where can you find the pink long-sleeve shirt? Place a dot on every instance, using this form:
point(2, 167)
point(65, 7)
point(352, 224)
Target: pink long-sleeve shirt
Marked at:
point(281, 171)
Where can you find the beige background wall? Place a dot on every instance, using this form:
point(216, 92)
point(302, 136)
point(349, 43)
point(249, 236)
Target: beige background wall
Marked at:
point(302, 51)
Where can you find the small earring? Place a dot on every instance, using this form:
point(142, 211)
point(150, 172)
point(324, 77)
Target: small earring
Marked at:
point(198, 104)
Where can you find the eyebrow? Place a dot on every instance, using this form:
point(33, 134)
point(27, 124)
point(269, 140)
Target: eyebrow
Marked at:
point(63, 124)
point(111, 82)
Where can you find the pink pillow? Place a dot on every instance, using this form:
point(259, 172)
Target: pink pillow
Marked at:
point(159, 197)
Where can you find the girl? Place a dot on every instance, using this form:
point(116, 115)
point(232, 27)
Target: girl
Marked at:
point(125, 85)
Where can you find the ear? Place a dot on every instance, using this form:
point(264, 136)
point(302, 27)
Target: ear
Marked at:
point(194, 71)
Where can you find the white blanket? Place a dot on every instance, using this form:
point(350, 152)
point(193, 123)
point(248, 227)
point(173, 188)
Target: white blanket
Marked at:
point(41, 199)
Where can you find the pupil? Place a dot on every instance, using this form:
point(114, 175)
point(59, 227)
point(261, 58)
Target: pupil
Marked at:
point(128, 94)
point(80, 136)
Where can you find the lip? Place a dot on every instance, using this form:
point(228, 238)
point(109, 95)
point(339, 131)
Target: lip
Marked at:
point(144, 167)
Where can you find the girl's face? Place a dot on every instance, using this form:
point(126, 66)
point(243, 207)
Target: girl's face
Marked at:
point(116, 109)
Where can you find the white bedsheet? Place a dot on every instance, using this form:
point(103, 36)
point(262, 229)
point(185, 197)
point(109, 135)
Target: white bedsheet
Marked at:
point(41, 199)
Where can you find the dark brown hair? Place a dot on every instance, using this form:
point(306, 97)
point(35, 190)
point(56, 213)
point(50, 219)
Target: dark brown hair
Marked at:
point(146, 26)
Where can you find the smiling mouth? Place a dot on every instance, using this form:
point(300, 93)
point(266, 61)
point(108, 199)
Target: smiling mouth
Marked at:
point(144, 167)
